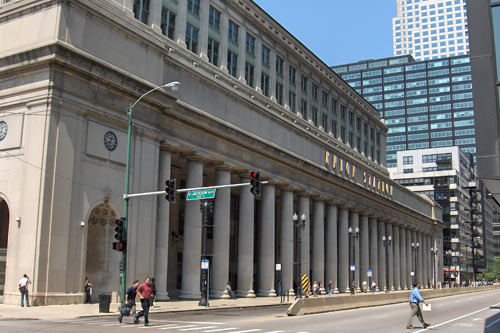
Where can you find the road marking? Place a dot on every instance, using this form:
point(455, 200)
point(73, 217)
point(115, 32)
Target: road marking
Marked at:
point(466, 315)
point(493, 323)
point(276, 332)
point(223, 329)
point(114, 324)
point(385, 316)
point(254, 330)
point(169, 325)
point(196, 328)
point(176, 327)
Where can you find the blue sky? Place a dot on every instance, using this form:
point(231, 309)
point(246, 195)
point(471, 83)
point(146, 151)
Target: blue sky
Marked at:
point(337, 31)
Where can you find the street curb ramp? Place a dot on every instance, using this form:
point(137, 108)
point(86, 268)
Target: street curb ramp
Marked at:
point(305, 306)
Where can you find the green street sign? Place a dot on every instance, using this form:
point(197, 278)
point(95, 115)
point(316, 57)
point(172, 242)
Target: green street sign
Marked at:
point(201, 194)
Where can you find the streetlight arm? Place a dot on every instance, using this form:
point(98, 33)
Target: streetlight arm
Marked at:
point(167, 85)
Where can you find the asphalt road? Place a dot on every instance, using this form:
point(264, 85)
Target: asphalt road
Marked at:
point(471, 313)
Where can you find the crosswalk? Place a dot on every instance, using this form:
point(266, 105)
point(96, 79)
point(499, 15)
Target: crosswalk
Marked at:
point(170, 325)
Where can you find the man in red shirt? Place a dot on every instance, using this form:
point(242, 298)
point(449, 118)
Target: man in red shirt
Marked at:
point(145, 293)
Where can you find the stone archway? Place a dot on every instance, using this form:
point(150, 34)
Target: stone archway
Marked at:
point(4, 239)
point(101, 266)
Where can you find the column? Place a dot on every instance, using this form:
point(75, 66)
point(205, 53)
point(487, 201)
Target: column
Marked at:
point(318, 241)
point(286, 83)
point(395, 257)
point(413, 258)
point(354, 223)
point(425, 253)
point(203, 40)
point(272, 76)
point(343, 250)
point(331, 246)
point(428, 264)
point(381, 257)
point(155, 20)
point(267, 230)
point(373, 224)
point(364, 250)
point(258, 64)
point(242, 37)
point(221, 234)
point(192, 235)
point(128, 7)
point(287, 242)
point(162, 229)
point(180, 23)
point(390, 256)
point(245, 241)
point(402, 257)
point(420, 274)
point(224, 40)
point(305, 245)
point(409, 262)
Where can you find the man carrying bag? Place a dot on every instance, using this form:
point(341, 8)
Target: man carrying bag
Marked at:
point(415, 300)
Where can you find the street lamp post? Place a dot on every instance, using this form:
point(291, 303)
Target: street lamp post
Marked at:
point(414, 248)
point(387, 242)
point(448, 254)
point(353, 235)
point(434, 251)
point(123, 273)
point(299, 226)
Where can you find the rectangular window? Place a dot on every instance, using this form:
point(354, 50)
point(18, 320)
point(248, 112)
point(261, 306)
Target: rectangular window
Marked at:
point(191, 38)
point(342, 112)
point(315, 116)
point(167, 24)
point(213, 52)
point(315, 91)
point(265, 56)
point(233, 32)
point(303, 83)
point(324, 122)
point(232, 63)
point(250, 44)
point(303, 109)
point(264, 84)
point(334, 128)
point(342, 134)
point(279, 65)
point(351, 118)
point(279, 93)
point(193, 7)
point(214, 18)
point(291, 101)
point(141, 10)
point(324, 99)
point(249, 74)
point(291, 75)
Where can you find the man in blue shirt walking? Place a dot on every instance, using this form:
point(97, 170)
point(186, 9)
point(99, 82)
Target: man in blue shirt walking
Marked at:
point(415, 300)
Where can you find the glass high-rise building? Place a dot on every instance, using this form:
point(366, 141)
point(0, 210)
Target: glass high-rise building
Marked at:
point(425, 104)
point(430, 29)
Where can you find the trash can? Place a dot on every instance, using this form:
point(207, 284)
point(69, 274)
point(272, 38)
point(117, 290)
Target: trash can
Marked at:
point(104, 302)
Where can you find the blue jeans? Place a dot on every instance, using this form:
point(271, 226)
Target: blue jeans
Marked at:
point(24, 294)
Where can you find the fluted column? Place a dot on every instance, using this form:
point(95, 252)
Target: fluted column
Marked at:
point(343, 250)
point(331, 246)
point(414, 266)
point(221, 234)
point(128, 7)
point(364, 249)
point(373, 226)
point(390, 257)
point(267, 231)
point(425, 252)
point(428, 264)
point(354, 223)
point(258, 65)
point(180, 23)
point(381, 256)
point(305, 245)
point(162, 228)
point(403, 259)
point(192, 235)
point(245, 241)
point(396, 250)
point(318, 241)
point(272, 74)
point(287, 241)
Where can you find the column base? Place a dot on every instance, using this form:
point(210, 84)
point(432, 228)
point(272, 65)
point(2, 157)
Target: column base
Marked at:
point(162, 297)
point(291, 292)
point(336, 291)
point(220, 294)
point(190, 295)
point(245, 293)
point(266, 293)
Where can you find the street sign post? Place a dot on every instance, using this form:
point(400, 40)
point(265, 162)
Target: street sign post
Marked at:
point(201, 194)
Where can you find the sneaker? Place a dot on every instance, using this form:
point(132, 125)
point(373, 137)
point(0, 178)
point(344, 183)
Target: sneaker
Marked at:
point(426, 325)
point(136, 320)
point(120, 316)
point(409, 327)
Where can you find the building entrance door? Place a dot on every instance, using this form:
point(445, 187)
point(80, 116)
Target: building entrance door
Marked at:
point(4, 238)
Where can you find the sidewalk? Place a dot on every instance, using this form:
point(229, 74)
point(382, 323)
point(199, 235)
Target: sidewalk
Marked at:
point(61, 312)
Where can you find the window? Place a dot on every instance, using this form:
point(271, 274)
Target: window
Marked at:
point(233, 31)
point(191, 38)
point(214, 18)
point(232, 63)
point(351, 118)
point(315, 116)
point(250, 44)
point(342, 112)
point(279, 65)
point(324, 99)
point(279, 93)
point(334, 128)
point(324, 122)
point(249, 74)
point(303, 109)
point(193, 7)
point(315, 91)
point(291, 75)
point(265, 56)
point(141, 10)
point(213, 52)
point(264, 84)
point(291, 100)
point(303, 83)
point(167, 24)
point(407, 160)
point(342, 133)
point(334, 106)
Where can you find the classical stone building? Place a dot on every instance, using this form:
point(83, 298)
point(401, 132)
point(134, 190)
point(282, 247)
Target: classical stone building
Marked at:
point(252, 98)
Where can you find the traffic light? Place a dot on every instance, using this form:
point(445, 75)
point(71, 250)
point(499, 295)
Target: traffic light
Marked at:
point(170, 190)
point(255, 182)
point(120, 236)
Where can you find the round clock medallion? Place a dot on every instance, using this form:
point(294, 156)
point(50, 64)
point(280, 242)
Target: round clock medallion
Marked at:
point(3, 130)
point(110, 141)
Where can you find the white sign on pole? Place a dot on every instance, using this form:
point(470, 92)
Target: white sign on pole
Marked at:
point(278, 267)
point(204, 263)
point(370, 274)
point(412, 273)
point(353, 268)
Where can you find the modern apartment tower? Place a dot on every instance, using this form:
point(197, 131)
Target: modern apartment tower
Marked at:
point(430, 29)
point(425, 104)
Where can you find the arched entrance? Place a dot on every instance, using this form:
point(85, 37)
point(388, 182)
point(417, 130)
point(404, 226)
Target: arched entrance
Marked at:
point(102, 262)
point(4, 238)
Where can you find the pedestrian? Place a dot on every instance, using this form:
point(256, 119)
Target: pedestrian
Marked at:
point(130, 307)
point(230, 290)
point(278, 287)
point(320, 287)
point(145, 292)
point(415, 300)
point(87, 287)
point(315, 289)
point(24, 285)
point(365, 286)
point(374, 287)
point(154, 291)
point(330, 288)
